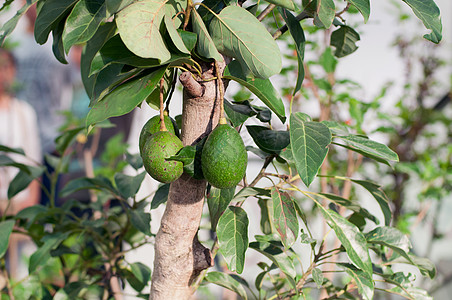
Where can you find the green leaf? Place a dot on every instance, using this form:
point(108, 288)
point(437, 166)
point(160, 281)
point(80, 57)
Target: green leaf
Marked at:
point(349, 204)
point(344, 40)
point(6, 228)
point(318, 277)
point(57, 44)
point(323, 11)
point(232, 232)
point(138, 24)
point(297, 33)
point(379, 195)
point(186, 155)
point(238, 34)
point(237, 113)
point(363, 6)
point(84, 183)
point(205, 46)
point(134, 91)
point(42, 254)
point(390, 237)
point(279, 257)
point(265, 215)
point(284, 3)
point(218, 200)
point(227, 281)
point(128, 186)
point(371, 147)
point(189, 38)
point(174, 34)
point(328, 61)
point(309, 143)
point(114, 6)
point(103, 34)
point(141, 221)
point(268, 140)
point(363, 280)
point(351, 238)
point(66, 139)
point(51, 13)
point(83, 22)
point(262, 88)
point(141, 276)
point(10, 25)
point(22, 180)
point(284, 217)
point(4, 148)
point(161, 196)
point(429, 14)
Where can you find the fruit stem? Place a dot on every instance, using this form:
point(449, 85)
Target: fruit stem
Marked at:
point(221, 90)
point(162, 115)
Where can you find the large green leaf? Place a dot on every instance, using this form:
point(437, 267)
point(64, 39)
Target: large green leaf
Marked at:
point(205, 46)
point(297, 33)
point(141, 220)
point(262, 88)
point(429, 14)
point(271, 141)
point(138, 24)
point(49, 15)
point(323, 11)
point(84, 183)
point(125, 98)
point(379, 195)
point(103, 34)
point(283, 3)
point(351, 238)
point(141, 274)
point(42, 254)
point(238, 34)
point(309, 143)
point(232, 232)
point(57, 44)
point(344, 40)
point(83, 22)
point(10, 25)
point(161, 196)
point(368, 146)
point(284, 217)
point(218, 200)
point(22, 180)
point(390, 237)
point(363, 6)
point(6, 228)
point(228, 281)
point(174, 34)
point(128, 186)
point(363, 280)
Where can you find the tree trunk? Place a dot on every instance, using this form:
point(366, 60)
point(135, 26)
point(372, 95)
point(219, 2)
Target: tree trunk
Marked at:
point(179, 257)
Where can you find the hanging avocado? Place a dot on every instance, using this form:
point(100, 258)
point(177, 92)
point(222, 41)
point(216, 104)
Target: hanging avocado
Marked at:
point(157, 148)
point(224, 157)
point(153, 126)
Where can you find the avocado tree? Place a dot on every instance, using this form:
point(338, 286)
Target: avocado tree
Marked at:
point(134, 54)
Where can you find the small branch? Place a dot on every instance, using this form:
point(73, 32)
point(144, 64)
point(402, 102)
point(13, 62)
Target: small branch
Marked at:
point(266, 11)
point(303, 15)
point(191, 85)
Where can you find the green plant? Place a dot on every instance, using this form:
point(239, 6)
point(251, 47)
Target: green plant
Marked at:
point(131, 47)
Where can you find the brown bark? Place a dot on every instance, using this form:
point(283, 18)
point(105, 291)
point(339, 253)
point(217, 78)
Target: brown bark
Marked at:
point(179, 257)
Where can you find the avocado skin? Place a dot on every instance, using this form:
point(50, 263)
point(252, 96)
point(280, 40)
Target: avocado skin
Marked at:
point(152, 126)
point(224, 157)
point(157, 148)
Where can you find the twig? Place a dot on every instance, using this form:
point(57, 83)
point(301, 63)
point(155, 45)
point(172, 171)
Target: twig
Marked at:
point(266, 11)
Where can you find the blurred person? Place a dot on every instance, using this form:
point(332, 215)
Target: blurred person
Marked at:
point(18, 129)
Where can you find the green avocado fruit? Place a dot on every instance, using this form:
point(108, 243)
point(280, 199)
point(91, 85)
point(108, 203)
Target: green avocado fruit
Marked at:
point(152, 126)
point(158, 147)
point(224, 157)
